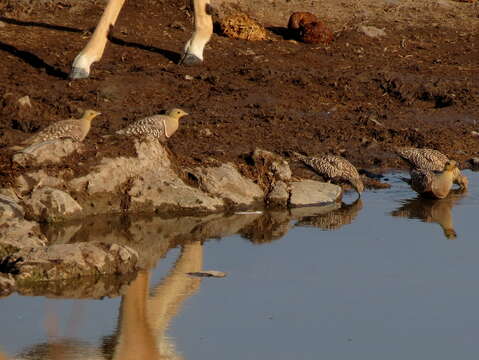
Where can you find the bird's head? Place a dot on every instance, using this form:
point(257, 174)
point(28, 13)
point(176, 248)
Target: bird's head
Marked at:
point(358, 185)
point(90, 114)
point(450, 165)
point(176, 113)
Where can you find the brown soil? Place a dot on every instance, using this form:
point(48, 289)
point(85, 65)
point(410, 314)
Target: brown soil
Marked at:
point(358, 96)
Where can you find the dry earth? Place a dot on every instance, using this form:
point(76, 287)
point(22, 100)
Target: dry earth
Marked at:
point(358, 96)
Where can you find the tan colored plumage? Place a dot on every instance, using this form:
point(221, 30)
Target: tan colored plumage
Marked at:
point(432, 211)
point(435, 184)
point(429, 159)
point(76, 129)
point(334, 168)
point(160, 127)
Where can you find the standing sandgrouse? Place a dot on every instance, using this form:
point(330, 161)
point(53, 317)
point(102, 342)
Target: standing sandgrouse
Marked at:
point(76, 129)
point(160, 127)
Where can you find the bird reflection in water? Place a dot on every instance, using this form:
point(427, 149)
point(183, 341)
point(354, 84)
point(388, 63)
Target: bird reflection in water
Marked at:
point(335, 219)
point(144, 318)
point(432, 211)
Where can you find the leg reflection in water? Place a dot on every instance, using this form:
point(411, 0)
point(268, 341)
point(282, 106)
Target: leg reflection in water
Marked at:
point(144, 319)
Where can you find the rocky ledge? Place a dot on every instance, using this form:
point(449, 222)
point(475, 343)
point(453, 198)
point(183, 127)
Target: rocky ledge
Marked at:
point(143, 180)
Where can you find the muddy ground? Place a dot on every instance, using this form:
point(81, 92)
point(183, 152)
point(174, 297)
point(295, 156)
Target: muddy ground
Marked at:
point(358, 96)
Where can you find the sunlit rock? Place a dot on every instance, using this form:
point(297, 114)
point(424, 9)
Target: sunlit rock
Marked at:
point(50, 205)
point(52, 151)
point(7, 284)
point(310, 192)
point(16, 232)
point(273, 164)
point(279, 195)
point(66, 261)
point(227, 183)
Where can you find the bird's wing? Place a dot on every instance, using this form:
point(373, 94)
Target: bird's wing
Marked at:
point(422, 180)
point(428, 159)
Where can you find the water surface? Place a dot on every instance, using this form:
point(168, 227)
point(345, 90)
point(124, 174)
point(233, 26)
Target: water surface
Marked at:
point(390, 277)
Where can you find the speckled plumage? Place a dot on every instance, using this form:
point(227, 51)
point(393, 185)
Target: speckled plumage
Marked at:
point(334, 168)
point(429, 159)
point(334, 219)
point(436, 184)
point(151, 125)
point(160, 127)
point(76, 129)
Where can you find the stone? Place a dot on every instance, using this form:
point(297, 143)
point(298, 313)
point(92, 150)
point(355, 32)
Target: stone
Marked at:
point(25, 183)
point(51, 151)
point(275, 164)
point(52, 205)
point(18, 233)
point(372, 31)
point(66, 261)
point(9, 209)
point(311, 192)
point(25, 101)
point(474, 163)
point(227, 183)
point(157, 190)
point(112, 173)
point(7, 284)
point(279, 195)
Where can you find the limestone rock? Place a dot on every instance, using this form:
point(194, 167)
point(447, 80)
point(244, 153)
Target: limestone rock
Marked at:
point(157, 190)
point(275, 164)
point(279, 195)
point(227, 183)
point(372, 31)
point(112, 173)
point(310, 192)
point(66, 261)
point(9, 208)
point(52, 151)
point(17, 233)
point(26, 182)
point(7, 284)
point(52, 205)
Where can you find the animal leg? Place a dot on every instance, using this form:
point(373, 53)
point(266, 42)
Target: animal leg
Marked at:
point(93, 51)
point(193, 53)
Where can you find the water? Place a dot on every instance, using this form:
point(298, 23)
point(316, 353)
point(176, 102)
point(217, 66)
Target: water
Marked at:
point(396, 280)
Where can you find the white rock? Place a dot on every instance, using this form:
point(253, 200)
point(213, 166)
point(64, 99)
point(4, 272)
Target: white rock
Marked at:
point(25, 101)
point(50, 205)
point(310, 192)
point(49, 151)
point(227, 183)
point(372, 31)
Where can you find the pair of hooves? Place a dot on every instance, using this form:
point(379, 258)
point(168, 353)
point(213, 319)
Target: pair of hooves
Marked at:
point(186, 59)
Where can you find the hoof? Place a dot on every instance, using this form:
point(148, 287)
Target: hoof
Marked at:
point(190, 60)
point(78, 73)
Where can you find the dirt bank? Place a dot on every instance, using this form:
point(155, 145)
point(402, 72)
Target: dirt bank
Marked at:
point(417, 85)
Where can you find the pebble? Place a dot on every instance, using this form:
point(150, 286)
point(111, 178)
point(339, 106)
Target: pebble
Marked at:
point(25, 101)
